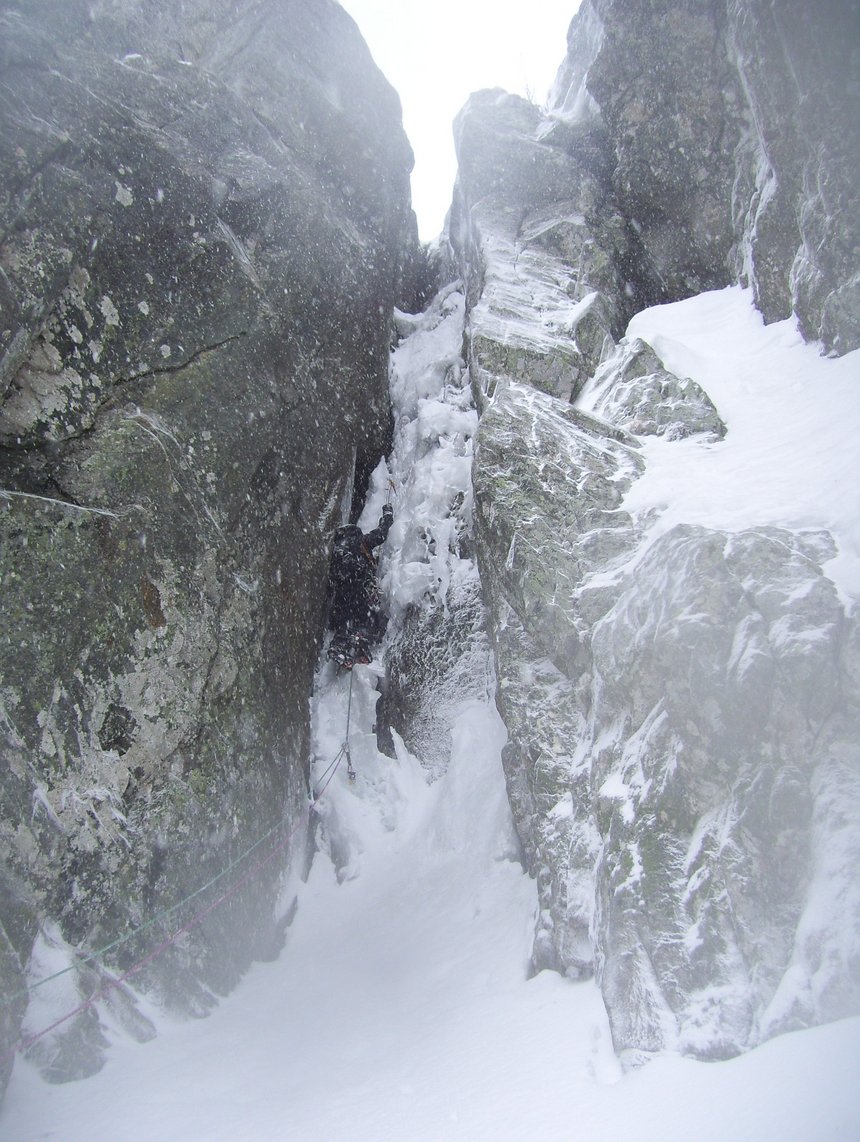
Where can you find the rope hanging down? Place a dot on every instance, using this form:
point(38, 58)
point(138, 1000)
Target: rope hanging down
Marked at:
point(24, 1043)
point(327, 775)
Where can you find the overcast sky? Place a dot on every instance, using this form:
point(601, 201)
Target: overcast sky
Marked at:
point(436, 52)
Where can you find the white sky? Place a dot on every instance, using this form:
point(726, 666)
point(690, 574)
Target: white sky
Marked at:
point(436, 53)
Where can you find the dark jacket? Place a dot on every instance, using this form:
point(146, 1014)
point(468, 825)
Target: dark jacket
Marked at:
point(353, 586)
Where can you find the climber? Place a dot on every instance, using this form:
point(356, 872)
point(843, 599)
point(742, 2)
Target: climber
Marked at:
point(355, 605)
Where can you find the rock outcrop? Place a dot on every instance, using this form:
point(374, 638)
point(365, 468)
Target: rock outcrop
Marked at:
point(204, 230)
point(735, 137)
point(681, 712)
point(543, 229)
point(204, 226)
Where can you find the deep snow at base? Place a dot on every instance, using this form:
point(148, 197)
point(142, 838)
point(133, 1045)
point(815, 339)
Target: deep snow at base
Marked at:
point(401, 1006)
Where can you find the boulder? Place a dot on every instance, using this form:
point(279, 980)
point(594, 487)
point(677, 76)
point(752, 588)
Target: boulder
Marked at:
point(635, 390)
point(682, 760)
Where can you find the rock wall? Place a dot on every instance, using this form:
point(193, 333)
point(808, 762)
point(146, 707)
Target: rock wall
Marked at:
point(677, 735)
point(204, 226)
point(735, 132)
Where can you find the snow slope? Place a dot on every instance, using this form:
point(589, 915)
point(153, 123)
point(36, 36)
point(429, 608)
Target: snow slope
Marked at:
point(793, 418)
point(400, 1007)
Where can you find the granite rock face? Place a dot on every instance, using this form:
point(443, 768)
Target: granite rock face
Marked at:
point(682, 758)
point(721, 721)
point(735, 136)
point(665, 89)
point(537, 231)
point(683, 724)
point(548, 487)
point(204, 226)
point(798, 166)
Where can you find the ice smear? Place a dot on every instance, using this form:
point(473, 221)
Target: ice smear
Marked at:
point(434, 425)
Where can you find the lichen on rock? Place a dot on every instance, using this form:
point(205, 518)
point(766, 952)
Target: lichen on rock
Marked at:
point(199, 260)
point(681, 705)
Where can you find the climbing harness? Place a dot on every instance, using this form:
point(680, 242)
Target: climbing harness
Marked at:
point(327, 776)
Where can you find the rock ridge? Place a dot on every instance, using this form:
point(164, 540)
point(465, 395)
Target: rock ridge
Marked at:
point(681, 711)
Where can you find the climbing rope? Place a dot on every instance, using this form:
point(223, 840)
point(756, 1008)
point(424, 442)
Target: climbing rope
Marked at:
point(90, 957)
point(24, 1043)
point(327, 776)
point(322, 784)
point(99, 953)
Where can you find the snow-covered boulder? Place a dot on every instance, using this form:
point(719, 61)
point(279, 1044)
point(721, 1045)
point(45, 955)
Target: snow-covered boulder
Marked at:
point(636, 391)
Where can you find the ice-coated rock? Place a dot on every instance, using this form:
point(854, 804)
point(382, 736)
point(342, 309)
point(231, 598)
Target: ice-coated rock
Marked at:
point(549, 527)
point(720, 719)
point(437, 655)
point(205, 224)
point(682, 711)
point(635, 390)
point(535, 230)
point(679, 726)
